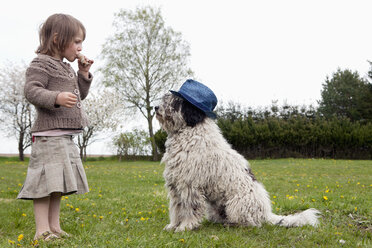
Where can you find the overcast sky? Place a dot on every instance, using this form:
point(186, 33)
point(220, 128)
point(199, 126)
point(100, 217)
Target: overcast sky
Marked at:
point(251, 52)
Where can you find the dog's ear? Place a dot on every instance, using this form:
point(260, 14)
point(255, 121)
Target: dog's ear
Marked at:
point(191, 114)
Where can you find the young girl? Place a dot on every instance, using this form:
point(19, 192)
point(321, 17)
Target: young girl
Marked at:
point(52, 86)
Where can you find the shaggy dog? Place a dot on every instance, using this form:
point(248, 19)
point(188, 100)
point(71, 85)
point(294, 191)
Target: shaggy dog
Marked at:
point(206, 177)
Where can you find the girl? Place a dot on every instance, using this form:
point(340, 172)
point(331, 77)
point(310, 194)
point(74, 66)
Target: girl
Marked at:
point(52, 86)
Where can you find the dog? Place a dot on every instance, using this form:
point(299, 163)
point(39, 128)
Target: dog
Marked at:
point(204, 176)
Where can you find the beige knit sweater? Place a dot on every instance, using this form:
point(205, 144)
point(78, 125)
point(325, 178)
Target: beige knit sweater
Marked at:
point(46, 77)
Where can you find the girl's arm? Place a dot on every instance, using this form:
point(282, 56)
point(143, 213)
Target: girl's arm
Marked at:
point(35, 89)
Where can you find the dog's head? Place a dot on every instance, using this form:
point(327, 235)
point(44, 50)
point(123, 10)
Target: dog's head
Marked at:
point(175, 113)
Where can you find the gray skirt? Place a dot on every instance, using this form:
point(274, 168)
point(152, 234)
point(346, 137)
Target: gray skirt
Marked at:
point(55, 166)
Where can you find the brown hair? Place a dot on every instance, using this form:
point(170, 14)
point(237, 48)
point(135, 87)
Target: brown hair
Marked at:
point(65, 27)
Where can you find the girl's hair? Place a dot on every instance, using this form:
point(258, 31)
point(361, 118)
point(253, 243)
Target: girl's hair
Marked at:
point(65, 27)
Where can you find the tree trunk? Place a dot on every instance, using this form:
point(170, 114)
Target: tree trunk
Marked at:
point(152, 138)
point(20, 146)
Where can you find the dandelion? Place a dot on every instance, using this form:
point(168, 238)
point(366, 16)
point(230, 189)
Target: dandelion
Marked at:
point(110, 212)
point(77, 209)
point(342, 197)
point(11, 242)
point(101, 217)
point(313, 200)
point(142, 218)
point(274, 196)
point(126, 220)
point(325, 198)
point(182, 240)
point(24, 215)
point(94, 216)
point(272, 202)
point(20, 237)
point(296, 190)
point(327, 191)
point(355, 208)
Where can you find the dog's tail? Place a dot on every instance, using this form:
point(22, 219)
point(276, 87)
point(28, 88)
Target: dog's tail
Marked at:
point(307, 217)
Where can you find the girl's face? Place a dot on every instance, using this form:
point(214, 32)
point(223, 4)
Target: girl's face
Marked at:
point(74, 48)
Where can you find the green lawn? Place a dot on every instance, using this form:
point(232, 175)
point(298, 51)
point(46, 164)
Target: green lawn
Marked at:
point(128, 207)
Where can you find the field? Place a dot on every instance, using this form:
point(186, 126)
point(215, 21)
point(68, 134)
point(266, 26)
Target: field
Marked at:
point(127, 206)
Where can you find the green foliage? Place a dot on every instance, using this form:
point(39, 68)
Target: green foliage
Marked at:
point(291, 131)
point(127, 206)
point(136, 142)
point(160, 138)
point(346, 95)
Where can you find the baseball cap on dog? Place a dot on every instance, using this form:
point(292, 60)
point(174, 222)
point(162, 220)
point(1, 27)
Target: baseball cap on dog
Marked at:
point(198, 95)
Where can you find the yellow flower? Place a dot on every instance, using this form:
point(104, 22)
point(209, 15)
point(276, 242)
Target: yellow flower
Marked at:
point(325, 198)
point(11, 241)
point(24, 215)
point(77, 209)
point(182, 240)
point(126, 220)
point(355, 208)
point(94, 216)
point(142, 218)
point(327, 191)
point(20, 237)
point(274, 196)
point(341, 196)
point(101, 217)
point(313, 200)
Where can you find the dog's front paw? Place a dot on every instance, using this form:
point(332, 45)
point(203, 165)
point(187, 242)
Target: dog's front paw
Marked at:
point(169, 227)
point(184, 227)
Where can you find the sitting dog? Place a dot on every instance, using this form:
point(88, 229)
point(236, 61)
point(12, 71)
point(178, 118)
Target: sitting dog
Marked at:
point(204, 175)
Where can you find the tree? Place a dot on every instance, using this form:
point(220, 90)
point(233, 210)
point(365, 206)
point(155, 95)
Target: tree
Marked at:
point(103, 112)
point(131, 143)
point(348, 95)
point(16, 112)
point(144, 59)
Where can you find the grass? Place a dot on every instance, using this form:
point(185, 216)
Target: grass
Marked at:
point(128, 207)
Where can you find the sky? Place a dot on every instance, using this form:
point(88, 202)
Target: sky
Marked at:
point(247, 51)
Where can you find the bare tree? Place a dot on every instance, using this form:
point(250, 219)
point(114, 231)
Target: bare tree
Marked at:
point(103, 112)
point(144, 59)
point(16, 112)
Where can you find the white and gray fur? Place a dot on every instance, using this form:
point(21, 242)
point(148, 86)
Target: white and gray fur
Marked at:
point(207, 178)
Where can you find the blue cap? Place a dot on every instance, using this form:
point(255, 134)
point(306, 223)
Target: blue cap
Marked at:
point(198, 95)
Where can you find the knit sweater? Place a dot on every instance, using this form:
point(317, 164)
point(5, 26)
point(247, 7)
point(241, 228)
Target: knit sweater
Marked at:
point(46, 77)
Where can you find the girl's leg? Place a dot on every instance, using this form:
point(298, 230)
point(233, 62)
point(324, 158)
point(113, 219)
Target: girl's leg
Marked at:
point(54, 209)
point(41, 212)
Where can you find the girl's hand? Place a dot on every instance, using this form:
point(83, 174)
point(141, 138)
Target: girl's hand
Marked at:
point(84, 64)
point(66, 99)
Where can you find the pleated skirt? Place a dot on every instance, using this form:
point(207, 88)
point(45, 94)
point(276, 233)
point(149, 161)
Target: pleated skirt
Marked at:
point(55, 166)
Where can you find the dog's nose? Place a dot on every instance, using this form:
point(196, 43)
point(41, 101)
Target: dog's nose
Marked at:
point(156, 108)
